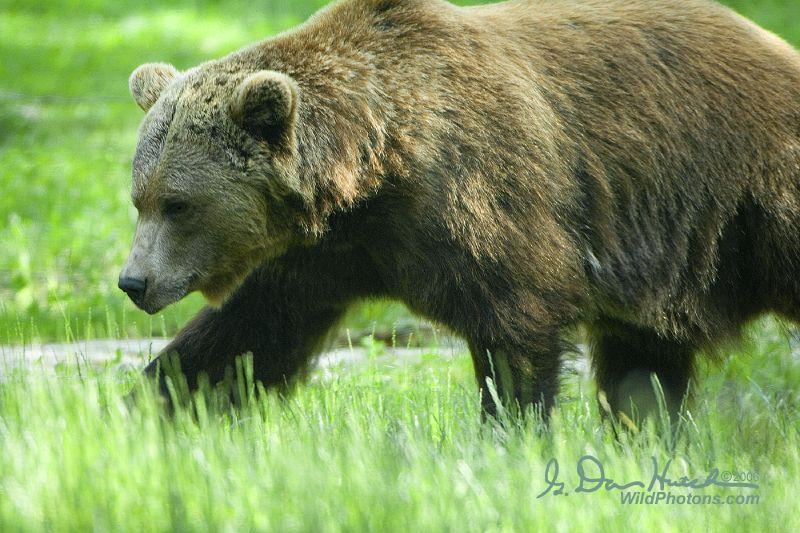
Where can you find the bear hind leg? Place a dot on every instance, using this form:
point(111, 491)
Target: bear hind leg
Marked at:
point(625, 358)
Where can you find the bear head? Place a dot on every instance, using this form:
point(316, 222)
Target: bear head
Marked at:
point(214, 175)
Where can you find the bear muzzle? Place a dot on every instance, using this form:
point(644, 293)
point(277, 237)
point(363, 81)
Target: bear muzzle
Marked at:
point(135, 288)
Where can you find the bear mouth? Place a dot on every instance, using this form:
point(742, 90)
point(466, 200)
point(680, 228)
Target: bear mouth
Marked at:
point(166, 296)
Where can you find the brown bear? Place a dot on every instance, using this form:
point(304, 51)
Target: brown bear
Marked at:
point(509, 171)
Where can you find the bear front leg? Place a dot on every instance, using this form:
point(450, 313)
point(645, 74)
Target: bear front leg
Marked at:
point(281, 315)
point(524, 377)
point(281, 333)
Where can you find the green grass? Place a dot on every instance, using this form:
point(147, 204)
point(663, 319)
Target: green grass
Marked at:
point(383, 447)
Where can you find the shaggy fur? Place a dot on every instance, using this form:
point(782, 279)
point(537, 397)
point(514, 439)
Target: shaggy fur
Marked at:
point(509, 171)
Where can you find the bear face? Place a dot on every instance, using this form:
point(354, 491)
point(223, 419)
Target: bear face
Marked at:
point(213, 169)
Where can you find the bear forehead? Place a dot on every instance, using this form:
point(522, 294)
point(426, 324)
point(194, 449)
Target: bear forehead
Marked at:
point(190, 123)
point(153, 135)
point(202, 104)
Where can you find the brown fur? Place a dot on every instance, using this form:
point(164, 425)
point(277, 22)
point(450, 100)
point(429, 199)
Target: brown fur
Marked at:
point(509, 171)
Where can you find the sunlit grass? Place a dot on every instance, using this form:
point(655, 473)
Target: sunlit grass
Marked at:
point(382, 446)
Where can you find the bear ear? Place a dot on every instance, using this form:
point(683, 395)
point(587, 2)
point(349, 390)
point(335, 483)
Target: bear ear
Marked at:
point(148, 81)
point(265, 105)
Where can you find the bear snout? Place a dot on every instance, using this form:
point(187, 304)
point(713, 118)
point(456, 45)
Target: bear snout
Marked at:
point(135, 288)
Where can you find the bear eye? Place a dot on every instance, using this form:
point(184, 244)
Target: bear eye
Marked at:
point(173, 208)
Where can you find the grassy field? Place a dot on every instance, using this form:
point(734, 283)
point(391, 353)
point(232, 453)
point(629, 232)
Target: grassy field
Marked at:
point(378, 446)
point(388, 447)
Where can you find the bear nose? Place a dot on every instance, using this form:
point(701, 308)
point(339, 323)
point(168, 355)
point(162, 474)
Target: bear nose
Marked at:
point(135, 288)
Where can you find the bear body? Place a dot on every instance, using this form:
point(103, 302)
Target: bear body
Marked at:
point(509, 171)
